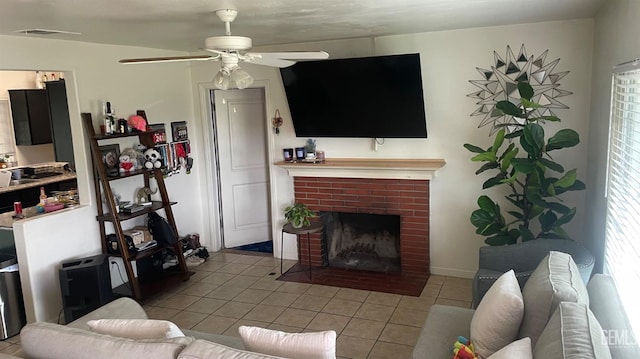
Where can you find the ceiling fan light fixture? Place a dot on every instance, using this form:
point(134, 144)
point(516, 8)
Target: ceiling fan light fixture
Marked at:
point(241, 78)
point(221, 79)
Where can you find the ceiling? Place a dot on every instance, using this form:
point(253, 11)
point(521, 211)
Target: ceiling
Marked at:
point(184, 24)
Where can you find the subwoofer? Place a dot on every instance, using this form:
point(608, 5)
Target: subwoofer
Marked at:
point(85, 284)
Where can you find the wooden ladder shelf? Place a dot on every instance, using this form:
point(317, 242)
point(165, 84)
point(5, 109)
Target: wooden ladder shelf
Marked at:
point(138, 287)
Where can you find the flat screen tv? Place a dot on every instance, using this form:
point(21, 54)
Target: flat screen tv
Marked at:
point(375, 97)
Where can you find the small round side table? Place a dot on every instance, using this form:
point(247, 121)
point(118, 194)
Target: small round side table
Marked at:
point(315, 226)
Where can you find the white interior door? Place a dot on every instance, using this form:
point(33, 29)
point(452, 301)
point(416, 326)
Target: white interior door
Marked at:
point(242, 158)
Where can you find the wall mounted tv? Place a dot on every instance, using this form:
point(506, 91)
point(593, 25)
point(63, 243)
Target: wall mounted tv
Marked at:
point(375, 97)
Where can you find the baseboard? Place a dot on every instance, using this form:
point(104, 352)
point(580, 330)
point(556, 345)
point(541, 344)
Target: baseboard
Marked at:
point(450, 272)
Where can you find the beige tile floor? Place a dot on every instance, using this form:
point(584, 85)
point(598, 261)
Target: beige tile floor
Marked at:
point(232, 289)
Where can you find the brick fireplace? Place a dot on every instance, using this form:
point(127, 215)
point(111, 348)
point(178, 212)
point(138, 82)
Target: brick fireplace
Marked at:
point(370, 186)
point(406, 198)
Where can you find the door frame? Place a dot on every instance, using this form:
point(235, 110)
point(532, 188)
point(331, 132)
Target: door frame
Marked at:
point(212, 210)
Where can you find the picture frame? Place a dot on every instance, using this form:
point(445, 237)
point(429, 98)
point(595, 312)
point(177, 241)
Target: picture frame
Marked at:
point(110, 155)
point(159, 133)
point(179, 131)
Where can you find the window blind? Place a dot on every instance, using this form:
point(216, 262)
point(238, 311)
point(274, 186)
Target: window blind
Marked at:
point(622, 247)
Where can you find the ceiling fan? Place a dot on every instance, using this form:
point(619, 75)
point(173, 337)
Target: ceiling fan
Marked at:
point(231, 50)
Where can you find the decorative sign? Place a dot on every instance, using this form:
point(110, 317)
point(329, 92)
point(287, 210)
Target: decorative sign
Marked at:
point(159, 133)
point(179, 131)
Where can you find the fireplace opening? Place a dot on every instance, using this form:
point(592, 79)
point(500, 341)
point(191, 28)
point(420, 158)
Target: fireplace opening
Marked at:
point(360, 241)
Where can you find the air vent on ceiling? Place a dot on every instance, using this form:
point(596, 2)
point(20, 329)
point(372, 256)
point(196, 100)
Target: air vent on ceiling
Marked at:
point(45, 32)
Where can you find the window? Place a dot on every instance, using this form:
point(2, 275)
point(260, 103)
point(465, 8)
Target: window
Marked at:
point(7, 144)
point(622, 247)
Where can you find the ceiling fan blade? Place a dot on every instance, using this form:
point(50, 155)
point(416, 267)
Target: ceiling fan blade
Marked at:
point(168, 59)
point(269, 61)
point(284, 59)
point(296, 55)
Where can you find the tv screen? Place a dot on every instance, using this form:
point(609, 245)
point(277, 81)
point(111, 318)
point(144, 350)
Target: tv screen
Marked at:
point(376, 97)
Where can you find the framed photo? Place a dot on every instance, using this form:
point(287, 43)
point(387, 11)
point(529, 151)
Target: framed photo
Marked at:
point(110, 155)
point(179, 131)
point(159, 133)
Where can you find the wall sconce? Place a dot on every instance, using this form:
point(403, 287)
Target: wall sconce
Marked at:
point(276, 122)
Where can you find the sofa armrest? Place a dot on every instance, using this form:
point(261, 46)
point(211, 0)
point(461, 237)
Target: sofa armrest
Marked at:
point(121, 308)
point(606, 305)
point(441, 329)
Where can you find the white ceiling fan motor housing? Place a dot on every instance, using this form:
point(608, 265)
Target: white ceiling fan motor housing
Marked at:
point(233, 43)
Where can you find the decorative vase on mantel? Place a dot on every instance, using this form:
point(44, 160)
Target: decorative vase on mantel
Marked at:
point(310, 149)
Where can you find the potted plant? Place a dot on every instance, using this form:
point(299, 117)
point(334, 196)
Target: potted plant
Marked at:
point(534, 180)
point(298, 214)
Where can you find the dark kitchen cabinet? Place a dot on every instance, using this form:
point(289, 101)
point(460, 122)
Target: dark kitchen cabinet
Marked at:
point(31, 120)
point(60, 122)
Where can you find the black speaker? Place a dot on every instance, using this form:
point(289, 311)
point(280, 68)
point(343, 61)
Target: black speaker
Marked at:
point(85, 284)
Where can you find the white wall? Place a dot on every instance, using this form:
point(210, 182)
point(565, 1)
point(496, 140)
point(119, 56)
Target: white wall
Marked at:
point(448, 60)
point(93, 75)
point(616, 41)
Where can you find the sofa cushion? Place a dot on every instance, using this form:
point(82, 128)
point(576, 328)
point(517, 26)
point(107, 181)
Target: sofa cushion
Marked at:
point(202, 349)
point(120, 308)
point(136, 328)
point(497, 319)
point(318, 345)
point(572, 332)
point(556, 279)
point(52, 341)
point(441, 328)
point(520, 349)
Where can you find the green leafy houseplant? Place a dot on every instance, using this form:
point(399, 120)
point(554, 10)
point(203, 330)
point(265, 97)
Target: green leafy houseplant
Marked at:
point(534, 180)
point(298, 215)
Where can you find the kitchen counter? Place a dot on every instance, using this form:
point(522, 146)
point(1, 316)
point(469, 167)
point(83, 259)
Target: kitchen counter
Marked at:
point(39, 182)
point(7, 220)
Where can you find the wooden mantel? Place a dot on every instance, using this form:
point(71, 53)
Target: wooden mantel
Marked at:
point(414, 169)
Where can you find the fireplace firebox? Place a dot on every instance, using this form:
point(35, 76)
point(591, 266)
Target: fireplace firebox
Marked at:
point(361, 241)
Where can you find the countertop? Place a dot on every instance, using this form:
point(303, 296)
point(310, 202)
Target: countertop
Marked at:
point(39, 182)
point(7, 220)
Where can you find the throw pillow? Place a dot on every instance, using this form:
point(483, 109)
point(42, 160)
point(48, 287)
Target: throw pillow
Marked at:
point(136, 328)
point(53, 341)
point(318, 345)
point(520, 349)
point(572, 332)
point(556, 279)
point(496, 321)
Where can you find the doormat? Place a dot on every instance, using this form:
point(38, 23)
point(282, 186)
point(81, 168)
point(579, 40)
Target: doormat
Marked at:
point(396, 283)
point(262, 247)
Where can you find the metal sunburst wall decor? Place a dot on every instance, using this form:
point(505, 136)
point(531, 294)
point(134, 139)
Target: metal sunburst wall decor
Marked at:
point(501, 83)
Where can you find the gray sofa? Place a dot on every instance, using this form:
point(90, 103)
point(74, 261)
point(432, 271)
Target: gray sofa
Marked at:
point(445, 323)
point(523, 258)
point(59, 339)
